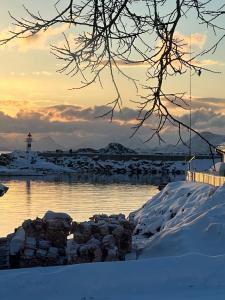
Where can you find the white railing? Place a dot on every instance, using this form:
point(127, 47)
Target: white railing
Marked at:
point(205, 178)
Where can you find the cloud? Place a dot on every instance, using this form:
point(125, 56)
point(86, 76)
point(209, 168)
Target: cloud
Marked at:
point(206, 120)
point(41, 73)
point(74, 126)
point(195, 39)
point(39, 41)
point(197, 103)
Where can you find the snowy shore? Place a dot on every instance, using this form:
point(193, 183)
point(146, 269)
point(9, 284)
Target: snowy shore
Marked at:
point(179, 244)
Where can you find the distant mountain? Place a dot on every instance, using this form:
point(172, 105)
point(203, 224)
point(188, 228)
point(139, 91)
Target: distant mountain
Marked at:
point(86, 150)
point(116, 148)
point(198, 145)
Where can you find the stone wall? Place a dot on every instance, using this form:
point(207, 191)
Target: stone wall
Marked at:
point(44, 242)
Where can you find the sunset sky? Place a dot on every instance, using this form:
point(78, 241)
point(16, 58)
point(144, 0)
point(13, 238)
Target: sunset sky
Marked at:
point(34, 97)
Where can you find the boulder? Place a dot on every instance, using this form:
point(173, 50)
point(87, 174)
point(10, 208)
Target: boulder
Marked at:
point(44, 244)
point(53, 252)
point(30, 243)
point(58, 221)
point(17, 242)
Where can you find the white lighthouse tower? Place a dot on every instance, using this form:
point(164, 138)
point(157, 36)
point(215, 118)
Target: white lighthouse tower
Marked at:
point(29, 142)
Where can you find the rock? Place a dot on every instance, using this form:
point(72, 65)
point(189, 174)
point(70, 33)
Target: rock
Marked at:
point(83, 232)
point(38, 224)
point(71, 251)
point(125, 242)
point(100, 217)
point(53, 252)
point(30, 243)
point(28, 227)
point(56, 238)
point(28, 253)
point(103, 229)
point(111, 254)
point(44, 244)
point(58, 221)
point(3, 189)
point(118, 232)
point(83, 254)
point(108, 241)
point(95, 250)
point(17, 242)
point(41, 253)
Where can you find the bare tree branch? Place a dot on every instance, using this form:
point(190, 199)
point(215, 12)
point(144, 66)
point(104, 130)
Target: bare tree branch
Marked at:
point(108, 34)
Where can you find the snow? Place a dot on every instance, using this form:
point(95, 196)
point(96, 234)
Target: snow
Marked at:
point(184, 218)
point(24, 164)
point(179, 244)
point(192, 276)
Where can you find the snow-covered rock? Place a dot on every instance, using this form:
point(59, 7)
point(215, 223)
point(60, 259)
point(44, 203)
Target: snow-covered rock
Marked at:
point(183, 218)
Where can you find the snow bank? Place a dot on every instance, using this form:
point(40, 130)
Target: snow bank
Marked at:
point(186, 277)
point(183, 218)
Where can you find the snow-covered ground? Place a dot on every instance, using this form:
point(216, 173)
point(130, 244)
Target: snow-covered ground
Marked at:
point(179, 245)
point(23, 164)
point(190, 277)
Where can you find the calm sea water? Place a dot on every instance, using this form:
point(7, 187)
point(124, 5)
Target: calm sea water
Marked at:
point(79, 196)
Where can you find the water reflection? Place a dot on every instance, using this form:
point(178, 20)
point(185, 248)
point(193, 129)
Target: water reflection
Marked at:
point(81, 196)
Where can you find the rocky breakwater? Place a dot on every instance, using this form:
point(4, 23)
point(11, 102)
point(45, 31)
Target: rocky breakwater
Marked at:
point(44, 242)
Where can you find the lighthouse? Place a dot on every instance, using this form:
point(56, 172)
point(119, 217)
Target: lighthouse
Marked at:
point(29, 142)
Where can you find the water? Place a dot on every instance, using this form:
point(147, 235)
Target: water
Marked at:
point(79, 196)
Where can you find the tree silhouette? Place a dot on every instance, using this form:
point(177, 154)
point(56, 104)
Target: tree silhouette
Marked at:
point(108, 34)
